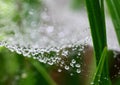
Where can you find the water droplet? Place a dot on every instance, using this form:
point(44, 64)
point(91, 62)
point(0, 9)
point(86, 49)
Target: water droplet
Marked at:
point(92, 83)
point(71, 74)
point(77, 65)
point(59, 70)
point(65, 52)
point(24, 75)
point(34, 57)
point(50, 62)
point(73, 61)
point(67, 67)
point(98, 80)
point(78, 71)
point(79, 54)
point(71, 64)
point(62, 62)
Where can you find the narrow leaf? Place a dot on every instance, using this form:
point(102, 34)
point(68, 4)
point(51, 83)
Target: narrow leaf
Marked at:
point(102, 64)
point(95, 9)
point(114, 9)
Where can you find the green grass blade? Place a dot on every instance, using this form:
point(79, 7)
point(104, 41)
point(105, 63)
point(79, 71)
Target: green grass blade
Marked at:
point(42, 71)
point(99, 70)
point(95, 9)
point(114, 9)
point(96, 16)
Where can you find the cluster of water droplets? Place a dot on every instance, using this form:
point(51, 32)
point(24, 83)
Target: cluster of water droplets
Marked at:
point(67, 57)
point(47, 34)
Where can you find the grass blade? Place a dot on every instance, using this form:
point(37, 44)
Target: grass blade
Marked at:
point(42, 71)
point(96, 17)
point(114, 9)
point(95, 9)
point(102, 64)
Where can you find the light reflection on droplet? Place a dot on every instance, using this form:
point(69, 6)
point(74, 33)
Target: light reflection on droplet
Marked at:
point(92, 83)
point(67, 67)
point(78, 70)
point(59, 70)
point(73, 61)
point(77, 65)
point(71, 74)
point(24, 75)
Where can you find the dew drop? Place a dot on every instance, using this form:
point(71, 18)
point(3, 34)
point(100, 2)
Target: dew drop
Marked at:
point(62, 62)
point(73, 61)
point(71, 64)
point(77, 65)
point(50, 62)
point(98, 80)
point(24, 75)
point(59, 70)
point(34, 57)
point(78, 71)
point(79, 54)
point(65, 52)
point(71, 74)
point(67, 67)
point(92, 83)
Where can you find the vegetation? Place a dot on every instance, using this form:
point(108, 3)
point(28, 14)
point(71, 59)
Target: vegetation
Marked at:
point(15, 69)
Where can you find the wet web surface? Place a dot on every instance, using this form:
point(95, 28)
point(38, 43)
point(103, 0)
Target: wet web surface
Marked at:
point(46, 35)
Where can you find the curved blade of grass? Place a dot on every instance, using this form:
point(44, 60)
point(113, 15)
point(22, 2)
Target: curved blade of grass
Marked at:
point(114, 9)
point(99, 70)
point(42, 71)
point(95, 9)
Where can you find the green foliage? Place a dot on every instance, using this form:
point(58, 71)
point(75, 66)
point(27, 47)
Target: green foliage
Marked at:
point(17, 70)
point(114, 8)
point(98, 74)
point(97, 24)
point(96, 16)
point(77, 4)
